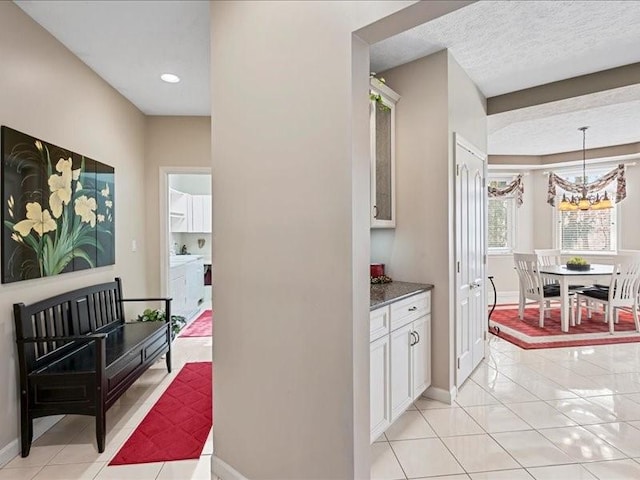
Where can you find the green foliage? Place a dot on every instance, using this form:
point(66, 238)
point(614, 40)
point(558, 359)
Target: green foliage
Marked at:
point(577, 261)
point(156, 315)
point(376, 97)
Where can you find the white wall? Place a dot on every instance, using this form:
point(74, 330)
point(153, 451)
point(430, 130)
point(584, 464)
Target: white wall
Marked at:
point(195, 184)
point(47, 92)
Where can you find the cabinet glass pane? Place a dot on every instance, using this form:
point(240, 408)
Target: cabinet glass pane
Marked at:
point(383, 163)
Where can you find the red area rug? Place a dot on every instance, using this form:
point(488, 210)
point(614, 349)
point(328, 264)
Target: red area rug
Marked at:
point(177, 426)
point(200, 327)
point(527, 334)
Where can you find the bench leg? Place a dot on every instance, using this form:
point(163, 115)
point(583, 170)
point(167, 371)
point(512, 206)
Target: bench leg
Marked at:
point(168, 359)
point(101, 430)
point(26, 431)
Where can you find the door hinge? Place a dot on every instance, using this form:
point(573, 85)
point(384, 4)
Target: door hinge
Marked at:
point(484, 258)
point(485, 336)
point(458, 170)
point(458, 363)
point(458, 267)
point(484, 183)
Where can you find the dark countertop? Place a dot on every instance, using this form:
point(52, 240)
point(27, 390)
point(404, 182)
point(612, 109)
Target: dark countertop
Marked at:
point(386, 293)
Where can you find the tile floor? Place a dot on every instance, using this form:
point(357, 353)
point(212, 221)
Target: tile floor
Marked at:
point(554, 414)
point(68, 450)
point(570, 413)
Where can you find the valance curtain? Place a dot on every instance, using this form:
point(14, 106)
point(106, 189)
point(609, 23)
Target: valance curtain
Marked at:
point(603, 182)
point(513, 190)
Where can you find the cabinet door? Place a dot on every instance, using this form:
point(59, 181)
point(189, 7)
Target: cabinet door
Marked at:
point(206, 213)
point(401, 378)
point(178, 292)
point(197, 216)
point(421, 356)
point(379, 387)
point(382, 125)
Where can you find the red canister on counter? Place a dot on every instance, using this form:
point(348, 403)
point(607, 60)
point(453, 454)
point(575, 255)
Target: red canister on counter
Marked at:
point(376, 269)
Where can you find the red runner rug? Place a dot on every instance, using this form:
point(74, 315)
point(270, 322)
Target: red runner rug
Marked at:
point(527, 334)
point(177, 426)
point(200, 327)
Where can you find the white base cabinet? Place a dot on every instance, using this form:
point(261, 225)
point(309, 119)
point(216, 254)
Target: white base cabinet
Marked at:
point(379, 384)
point(400, 358)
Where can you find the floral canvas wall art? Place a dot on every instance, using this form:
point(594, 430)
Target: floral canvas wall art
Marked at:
point(57, 209)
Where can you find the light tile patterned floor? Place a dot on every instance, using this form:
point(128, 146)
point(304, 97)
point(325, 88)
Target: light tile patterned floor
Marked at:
point(68, 451)
point(554, 414)
point(571, 413)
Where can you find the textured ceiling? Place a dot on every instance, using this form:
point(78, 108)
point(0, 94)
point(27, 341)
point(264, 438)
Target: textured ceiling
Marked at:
point(129, 44)
point(614, 117)
point(615, 124)
point(506, 46)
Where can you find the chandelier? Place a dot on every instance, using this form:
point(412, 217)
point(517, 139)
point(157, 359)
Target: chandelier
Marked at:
point(584, 202)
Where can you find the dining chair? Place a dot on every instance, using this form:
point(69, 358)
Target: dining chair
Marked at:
point(532, 286)
point(548, 257)
point(622, 293)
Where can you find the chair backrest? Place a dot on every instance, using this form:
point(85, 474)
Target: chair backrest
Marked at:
point(92, 309)
point(530, 281)
point(626, 279)
point(548, 257)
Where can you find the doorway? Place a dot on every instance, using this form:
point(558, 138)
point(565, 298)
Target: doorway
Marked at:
point(187, 247)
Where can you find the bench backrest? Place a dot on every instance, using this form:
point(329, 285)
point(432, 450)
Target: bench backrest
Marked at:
point(92, 309)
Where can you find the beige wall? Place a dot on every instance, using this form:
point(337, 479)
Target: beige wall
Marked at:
point(288, 209)
point(413, 251)
point(169, 142)
point(438, 99)
point(47, 92)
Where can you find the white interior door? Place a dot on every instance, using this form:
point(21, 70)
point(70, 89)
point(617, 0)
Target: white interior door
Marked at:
point(471, 311)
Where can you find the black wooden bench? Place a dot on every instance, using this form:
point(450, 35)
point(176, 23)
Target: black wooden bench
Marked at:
point(77, 355)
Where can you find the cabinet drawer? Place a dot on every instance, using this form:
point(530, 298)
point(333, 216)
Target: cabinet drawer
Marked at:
point(410, 309)
point(379, 323)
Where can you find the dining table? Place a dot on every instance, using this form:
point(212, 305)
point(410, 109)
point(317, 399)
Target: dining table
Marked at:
point(566, 277)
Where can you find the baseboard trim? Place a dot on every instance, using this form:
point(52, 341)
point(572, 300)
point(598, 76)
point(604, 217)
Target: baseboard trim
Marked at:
point(40, 426)
point(506, 298)
point(224, 471)
point(441, 395)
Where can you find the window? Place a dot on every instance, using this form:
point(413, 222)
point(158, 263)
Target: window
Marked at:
point(501, 219)
point(591, 231)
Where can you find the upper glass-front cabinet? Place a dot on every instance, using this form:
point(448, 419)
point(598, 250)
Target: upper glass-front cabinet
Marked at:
point(383, 139)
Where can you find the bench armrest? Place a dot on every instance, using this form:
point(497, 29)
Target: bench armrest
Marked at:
point(79, 338)
point(145, 299)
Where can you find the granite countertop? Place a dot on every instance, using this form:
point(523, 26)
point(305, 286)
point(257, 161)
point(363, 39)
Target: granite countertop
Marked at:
point(386, 293)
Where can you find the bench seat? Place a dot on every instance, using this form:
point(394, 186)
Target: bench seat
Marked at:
point(77, 355)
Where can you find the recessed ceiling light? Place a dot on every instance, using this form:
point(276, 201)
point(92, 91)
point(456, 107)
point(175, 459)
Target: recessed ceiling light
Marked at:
point(170, 78)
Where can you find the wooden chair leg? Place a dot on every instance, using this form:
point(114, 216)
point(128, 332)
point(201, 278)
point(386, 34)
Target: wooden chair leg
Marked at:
point(521, 307)
point(101, 429)
point(541, 322)
point(26, 428)
point(579, 311)
point(610, 316)
point(168, 359)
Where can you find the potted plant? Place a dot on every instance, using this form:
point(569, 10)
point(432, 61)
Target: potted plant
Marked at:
point(156, 315)
point(578, 263)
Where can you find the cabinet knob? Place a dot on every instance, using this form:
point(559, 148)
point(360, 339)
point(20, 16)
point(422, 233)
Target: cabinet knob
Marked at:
point(413, 309)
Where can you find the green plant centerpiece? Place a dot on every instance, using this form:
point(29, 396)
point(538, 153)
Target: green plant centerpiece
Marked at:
point(156, 315)
point(578, 263)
